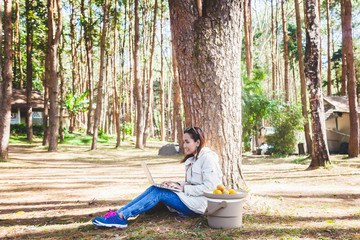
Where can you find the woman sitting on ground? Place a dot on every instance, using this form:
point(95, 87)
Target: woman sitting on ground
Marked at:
point(202, 173)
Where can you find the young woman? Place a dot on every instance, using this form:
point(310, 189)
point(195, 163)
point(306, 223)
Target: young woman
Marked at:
point(202, 173)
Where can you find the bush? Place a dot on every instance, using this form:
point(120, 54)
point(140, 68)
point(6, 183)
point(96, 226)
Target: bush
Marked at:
point(20, 129)
point(286, 120)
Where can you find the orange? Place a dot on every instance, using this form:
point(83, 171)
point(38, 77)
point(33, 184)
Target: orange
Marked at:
point(217, 192)
point(220, 187)
point(225, 192)
point(232, 191)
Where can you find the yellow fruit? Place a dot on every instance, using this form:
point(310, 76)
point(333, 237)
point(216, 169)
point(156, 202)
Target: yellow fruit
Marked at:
point(217, 192)
point(225, 192)
point(220, 187)
point(232, 191)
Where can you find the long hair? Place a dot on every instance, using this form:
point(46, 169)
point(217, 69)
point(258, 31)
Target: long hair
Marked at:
point(196, 134)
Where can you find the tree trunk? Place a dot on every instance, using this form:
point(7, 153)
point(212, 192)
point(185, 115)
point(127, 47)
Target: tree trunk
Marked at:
point(177, 102)
point(344, 80)
point(116, 97)
point(208, 51)
point(6, 94)
point(162, 86)
point(248, 37)
point(350, 73)
point(29, 69)
point(55, 35)
point(1, 55)
point(329, 49)
point(18, 44)
point(89, 60)
point(320, 153)
point(138, 85)
point(286, 52)
point(273, 66)
point(62, 93)
point(148, 118)
point(302, 79)
point(97, 116)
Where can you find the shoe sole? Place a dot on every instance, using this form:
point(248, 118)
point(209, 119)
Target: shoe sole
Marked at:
point(99, 224)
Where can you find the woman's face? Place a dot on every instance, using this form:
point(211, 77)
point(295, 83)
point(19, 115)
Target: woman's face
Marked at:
point(189, 144)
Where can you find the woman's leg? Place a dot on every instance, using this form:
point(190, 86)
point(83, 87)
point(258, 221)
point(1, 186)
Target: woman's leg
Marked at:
point(153, 197)
point(138, 198)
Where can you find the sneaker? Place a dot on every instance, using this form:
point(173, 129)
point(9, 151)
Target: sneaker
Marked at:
point(111, 221)
point(110, 214)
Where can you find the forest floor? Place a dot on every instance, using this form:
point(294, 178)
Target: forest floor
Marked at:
point(56, 195)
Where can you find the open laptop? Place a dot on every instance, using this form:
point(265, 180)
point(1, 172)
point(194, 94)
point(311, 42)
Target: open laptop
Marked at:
point(151, 179)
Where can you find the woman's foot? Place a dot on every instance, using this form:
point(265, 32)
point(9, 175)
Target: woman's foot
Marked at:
point(111, 219)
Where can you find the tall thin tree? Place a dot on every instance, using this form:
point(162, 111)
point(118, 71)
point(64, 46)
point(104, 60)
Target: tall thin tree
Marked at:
point(320, 153)
point(55, 30)
point(286, 51)
point(302, 78)
point(29, 67)
point(6, 91)
point(97, 116)
point(328, 48)
point(351, 77)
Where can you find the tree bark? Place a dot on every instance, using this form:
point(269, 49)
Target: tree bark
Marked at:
point(329, 49)
point(286, 52)
point(97, 116)
point(29, 69)
point(148, 118)
point(302, 78)
point(162, 87)
point(55, 34)
point(116, 97)
point(177, 102)
point(320, 153)
point(344, 76)
point(208, 51)
point(138, 85)
point(18, 44)
point(248, 37)
point(89, 61)
point(6, 94)
point(62, 93)
point(353, 149)
point(1, 55)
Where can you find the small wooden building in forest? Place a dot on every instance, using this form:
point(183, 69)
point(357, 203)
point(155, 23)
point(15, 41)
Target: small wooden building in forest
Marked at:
point(337, 121)
point(18, 106)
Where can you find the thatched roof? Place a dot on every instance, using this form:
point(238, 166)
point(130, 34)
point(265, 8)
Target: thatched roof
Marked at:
point(19, 100)
point(336, 104)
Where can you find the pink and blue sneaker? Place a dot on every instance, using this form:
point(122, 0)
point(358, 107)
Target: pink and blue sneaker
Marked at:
point(111, 219)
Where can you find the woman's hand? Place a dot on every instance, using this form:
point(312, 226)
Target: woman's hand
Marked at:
point(173, 185)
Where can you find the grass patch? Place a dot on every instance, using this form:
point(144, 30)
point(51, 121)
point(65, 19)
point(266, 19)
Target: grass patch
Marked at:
point(301, 160)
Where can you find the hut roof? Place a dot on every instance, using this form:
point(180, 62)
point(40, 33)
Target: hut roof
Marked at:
point(19, 99)
point(336, 104)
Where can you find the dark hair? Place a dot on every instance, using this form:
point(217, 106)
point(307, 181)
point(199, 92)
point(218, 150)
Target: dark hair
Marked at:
point(196, 134)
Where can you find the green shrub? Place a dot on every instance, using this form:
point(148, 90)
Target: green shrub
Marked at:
point(20, 129)
point(128, 128)
point(286, 120)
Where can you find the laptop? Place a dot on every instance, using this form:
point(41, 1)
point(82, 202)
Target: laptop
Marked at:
point(151, 179)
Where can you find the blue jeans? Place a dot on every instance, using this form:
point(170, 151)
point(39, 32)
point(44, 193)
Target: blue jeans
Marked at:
point(152, 196)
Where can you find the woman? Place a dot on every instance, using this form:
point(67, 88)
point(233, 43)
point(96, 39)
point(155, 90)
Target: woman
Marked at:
point(202, 173)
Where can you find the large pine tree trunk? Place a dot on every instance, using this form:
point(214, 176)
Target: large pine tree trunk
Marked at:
point(53, 80)
point(138, 85)
point(29, 69)
point(6, 90)
point(1, 54)
point(350, 73)
point(302, 78)
point(208, 51)
point(320, 153)
point(97, 116)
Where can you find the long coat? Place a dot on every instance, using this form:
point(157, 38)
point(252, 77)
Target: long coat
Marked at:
point(201, 174)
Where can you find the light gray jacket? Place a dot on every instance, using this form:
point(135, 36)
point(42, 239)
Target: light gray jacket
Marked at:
point(202, 174)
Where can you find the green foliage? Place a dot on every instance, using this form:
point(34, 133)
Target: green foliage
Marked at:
point(287, 120)
point(128, 128)
point(20, 129)
point(76, 103)
point(255, 106)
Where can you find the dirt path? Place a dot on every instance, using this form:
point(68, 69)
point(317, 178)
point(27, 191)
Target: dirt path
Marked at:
point(55, 196)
